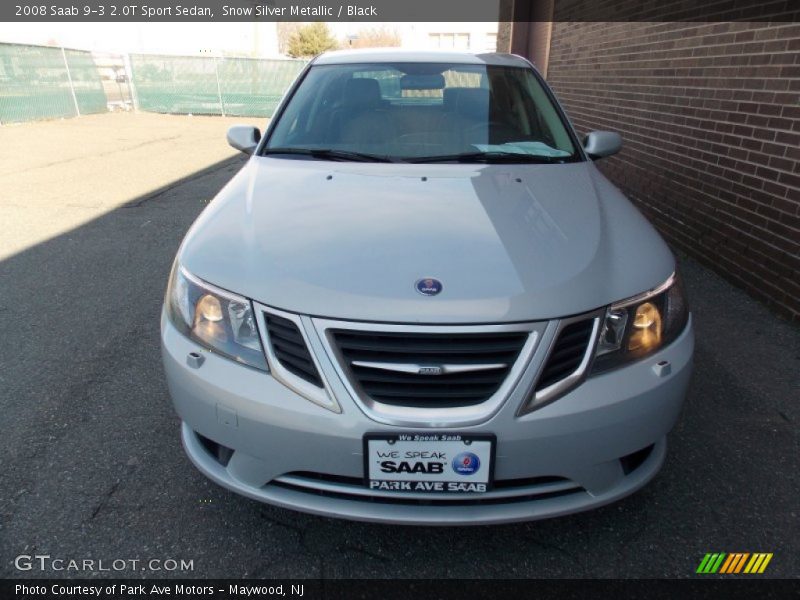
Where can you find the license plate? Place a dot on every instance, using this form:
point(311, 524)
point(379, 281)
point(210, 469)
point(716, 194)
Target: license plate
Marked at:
point(429, 462)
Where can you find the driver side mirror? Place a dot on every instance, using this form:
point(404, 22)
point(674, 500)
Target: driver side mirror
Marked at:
point(244, 138)
point(599, 144)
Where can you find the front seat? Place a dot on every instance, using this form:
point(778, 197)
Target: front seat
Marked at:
point(363, 117)
point(477, 117)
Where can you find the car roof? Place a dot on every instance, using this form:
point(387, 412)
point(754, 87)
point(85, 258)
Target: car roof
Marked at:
point(379, 55)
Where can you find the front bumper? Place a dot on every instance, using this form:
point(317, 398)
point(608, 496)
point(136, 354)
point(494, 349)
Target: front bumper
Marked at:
point(600, 442)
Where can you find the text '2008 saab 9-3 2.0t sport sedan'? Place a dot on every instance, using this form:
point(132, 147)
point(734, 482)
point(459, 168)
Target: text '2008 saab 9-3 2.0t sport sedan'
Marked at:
point(420, 302)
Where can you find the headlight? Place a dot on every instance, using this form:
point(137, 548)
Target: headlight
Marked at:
point(219, 320)
point(637, 327)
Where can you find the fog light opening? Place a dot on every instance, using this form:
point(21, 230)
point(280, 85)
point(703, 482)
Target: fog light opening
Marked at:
point(633, 461)
point(222, 454)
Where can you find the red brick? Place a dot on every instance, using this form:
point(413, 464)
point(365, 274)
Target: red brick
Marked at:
point(710, 114)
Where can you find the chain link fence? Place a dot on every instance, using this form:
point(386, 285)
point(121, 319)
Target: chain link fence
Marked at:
point(38, 82)
point(244, 87)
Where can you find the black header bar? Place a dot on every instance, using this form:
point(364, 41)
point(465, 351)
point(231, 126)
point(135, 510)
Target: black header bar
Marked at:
point(386, 589)
point(109, 11)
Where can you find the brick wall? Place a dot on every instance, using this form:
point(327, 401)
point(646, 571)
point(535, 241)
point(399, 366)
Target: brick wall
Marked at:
point(710, 117)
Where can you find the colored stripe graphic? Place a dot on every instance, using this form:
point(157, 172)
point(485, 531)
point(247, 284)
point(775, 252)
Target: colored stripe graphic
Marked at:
point(711, 563)
point(720, 562)
point(734, 563)
point(758, 563)
point(729, 562)
point(703, 563)
point(741, 562)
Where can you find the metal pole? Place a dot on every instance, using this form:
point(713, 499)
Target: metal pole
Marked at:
point(119, 87)
point(219, 88)
point(126, 59)
point(71, 86)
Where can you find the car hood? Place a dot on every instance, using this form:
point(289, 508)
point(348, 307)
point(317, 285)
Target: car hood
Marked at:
point(349, 240)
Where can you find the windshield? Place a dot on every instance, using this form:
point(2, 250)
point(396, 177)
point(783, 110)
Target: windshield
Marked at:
point(421, 112)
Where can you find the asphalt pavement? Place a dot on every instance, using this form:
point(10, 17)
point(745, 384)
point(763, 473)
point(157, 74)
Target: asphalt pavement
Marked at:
point(91, 467)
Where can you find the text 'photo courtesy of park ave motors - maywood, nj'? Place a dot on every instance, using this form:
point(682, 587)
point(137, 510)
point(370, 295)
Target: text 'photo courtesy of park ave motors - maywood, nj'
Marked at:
point(157, 590)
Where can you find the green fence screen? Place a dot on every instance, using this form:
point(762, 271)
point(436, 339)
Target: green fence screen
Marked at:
point(35, 83)
point(86, 82)
point(38, 82)
point(211, 86)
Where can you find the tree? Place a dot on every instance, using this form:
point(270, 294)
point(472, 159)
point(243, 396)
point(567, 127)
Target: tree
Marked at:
point(286, 29)
point(376, 37)
point(309, 40)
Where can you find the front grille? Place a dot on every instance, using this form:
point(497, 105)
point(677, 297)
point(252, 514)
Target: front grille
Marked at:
point(567, 353)
point(391, 378)
point(290, 348)
point(353, 489)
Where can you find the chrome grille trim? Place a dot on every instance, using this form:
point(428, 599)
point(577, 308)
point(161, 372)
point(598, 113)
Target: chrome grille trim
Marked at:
point(435, 417)
point(291, 348)
point(361, 491)
point(536, 398)
point(413, 368)
point(323, 396)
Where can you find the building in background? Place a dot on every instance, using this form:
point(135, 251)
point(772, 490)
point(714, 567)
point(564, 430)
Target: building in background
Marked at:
point(710, 117)
point(471, 37)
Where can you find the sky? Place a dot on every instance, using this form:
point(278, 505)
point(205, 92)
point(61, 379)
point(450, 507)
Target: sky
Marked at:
point(257, 39)
point(169, 38)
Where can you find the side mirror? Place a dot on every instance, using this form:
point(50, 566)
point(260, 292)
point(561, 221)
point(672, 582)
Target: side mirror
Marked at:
point(244, 138)
point(602, 143)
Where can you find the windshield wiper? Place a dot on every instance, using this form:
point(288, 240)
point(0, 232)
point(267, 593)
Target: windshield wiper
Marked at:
point(329, 154)
point(489, 157)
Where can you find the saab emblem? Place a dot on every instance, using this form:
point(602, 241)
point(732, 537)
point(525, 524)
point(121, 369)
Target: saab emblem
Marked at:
point(430, 371)
point(428, 286)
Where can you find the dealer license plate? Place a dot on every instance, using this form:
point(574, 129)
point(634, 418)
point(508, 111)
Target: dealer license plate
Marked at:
point(429, 462)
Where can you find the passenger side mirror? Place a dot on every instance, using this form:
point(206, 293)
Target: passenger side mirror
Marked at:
point(244, 138)
point(599, 144)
